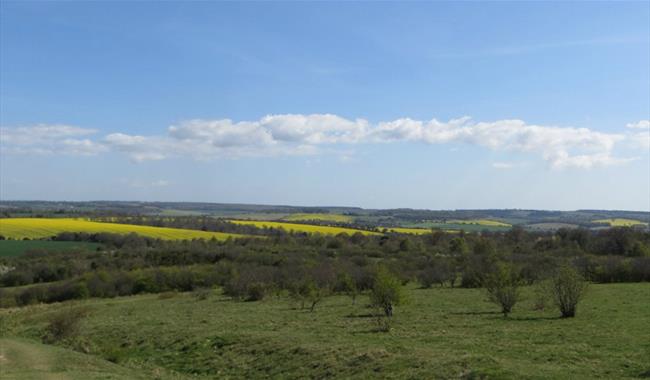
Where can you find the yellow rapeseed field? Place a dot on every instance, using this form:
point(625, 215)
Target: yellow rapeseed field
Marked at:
point(37, 228)
point(295, 227)
point(620, 222)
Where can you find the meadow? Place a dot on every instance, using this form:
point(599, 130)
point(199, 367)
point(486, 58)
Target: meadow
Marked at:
point(308, 228)
point(40, 228)
point(404, 230)
point(439, 333)
point(320, 217)
point(476, 225)
point(10, 248)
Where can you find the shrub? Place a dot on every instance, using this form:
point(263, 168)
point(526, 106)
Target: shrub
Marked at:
point(438, 272)
point(502, 285)
point(64, 324)
point(167, 295)
point(202, 294)
point(385, 294)
point(346, 284)
point(568, 288)
point(30, 296)
point(256, 291)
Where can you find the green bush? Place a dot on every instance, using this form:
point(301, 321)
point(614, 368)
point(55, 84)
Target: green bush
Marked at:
point(386, 293)
point(502, 285)
point(568, 287)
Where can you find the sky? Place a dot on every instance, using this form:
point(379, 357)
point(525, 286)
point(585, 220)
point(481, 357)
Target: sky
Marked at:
point(530, 105)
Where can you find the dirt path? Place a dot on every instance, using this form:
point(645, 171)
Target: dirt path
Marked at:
point(23, 360)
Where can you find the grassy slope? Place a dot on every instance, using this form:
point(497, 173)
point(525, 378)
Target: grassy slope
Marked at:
point(302, 227)
point(24, 359)
point(18, 247)
point(37, 228)
point(443, 333)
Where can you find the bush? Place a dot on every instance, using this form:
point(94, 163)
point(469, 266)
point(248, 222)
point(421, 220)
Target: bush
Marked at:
point(502, 285)
point(64, 324)
point(346, 284)
point(385, 294)
point(202, 294)
point(568, 288)
point(437, 272)
point(30, 296)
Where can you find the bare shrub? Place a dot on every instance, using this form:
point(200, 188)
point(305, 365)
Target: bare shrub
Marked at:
point(65, 324)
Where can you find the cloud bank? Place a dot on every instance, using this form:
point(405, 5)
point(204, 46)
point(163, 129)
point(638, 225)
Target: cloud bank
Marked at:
point(295, 134)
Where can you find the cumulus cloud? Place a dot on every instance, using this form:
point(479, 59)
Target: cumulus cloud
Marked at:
point(642, 124)
point(296, 134)
point(49, 139)
point(639, 136)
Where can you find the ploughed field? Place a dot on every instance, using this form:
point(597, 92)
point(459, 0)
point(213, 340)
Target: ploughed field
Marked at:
point(40, 228)
point(440, 333)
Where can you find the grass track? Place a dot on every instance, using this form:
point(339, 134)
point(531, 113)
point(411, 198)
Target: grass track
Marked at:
point(22, 359)
point(39, 228)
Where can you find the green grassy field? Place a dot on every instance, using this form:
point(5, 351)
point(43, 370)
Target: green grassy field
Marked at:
point(441, 333)
point(38, 228)
point(18, 247)
point(319, 217)
point(481, 222)
point(404, 230)
point(296, 227)
point(619, 222)
point(455, 226)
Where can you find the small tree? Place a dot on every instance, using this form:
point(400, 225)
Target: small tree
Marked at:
point(502, 286)
point(346, 284)
point(568, 288)
point(385, 294)
point(308, 291)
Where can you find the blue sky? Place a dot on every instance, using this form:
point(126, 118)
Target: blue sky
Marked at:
point(423, 105)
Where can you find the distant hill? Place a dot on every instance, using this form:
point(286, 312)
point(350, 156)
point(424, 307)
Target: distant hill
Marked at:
point(533, 219)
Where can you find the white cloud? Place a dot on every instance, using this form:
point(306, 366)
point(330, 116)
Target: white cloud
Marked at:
point(295, 134)
point(49, 139)
point(640, 138)
point(641, 124)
